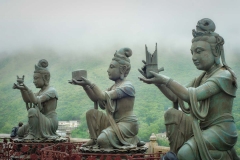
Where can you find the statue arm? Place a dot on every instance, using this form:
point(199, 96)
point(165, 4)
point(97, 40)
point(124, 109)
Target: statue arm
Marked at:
point(204, 91)
point(90, 93)
point(34, 99)
point(167, 92)
point(25, 96)
point(99, 95)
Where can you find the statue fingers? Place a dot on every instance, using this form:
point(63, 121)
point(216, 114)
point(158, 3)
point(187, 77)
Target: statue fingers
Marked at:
point(144, 67)
point(141, 71)
point(161, 69)
point(144, 61)
point(70, 81)
point(148, 81)
point(15, 86)
point(74, 81)
point(85, 79)
point(87, 82)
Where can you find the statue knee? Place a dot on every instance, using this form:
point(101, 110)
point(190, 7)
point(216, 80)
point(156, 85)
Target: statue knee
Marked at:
point(171, 112)
point(101, 138)
point(32, 112)
point(90, 112)
point(186, 153)
point(102, 141)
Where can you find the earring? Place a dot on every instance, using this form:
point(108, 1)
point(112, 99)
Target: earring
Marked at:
point(122, 76)
point(217, 60)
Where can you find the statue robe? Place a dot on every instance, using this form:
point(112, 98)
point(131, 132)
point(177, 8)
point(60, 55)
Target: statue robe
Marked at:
point(216, 130)
point(43, 122)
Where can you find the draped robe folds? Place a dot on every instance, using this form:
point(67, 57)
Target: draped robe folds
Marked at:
point(120, 132)
point(211, 120)
point(43, 122)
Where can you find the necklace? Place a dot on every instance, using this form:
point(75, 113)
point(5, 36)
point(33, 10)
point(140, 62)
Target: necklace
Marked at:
point(207, 75)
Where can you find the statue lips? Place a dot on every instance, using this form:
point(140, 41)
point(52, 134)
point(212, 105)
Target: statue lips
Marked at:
point(196, 63)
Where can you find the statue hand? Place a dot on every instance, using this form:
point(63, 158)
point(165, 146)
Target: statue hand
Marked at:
point(20, 86)
point(20, 80)
point(143, 69)
point(157, 79)
point(82, 82)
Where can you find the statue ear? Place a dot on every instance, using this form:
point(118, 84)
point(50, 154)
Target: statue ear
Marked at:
point(216, 54)
point(123, 69)
point(46, 79)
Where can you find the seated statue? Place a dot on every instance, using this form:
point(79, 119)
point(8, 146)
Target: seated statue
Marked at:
point(41, 106)
point(209, 132)
point(118, 128)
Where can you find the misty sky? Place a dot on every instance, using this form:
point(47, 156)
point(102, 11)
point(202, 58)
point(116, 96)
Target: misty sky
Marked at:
point(74, 25)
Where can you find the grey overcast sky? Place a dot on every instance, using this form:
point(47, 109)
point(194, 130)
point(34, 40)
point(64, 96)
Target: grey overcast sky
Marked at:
point(65, 25)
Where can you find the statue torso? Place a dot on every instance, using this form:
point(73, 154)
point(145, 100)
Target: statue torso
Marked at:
point(124, 106)
point(51, 104)
point(220, 106)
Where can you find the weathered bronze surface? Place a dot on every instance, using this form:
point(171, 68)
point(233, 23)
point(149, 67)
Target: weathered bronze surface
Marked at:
point(42, 117)
point(118, 128)
point(209, 132)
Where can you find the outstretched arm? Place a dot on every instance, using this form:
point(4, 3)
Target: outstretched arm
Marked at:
point(101, 95)
point(204, 91)
point(167, 92)
point(35, 99)
point(93, 91)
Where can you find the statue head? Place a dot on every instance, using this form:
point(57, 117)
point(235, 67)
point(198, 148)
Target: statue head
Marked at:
point(120, 65)
point(205, 32)
point(41, 74)
point(210, 45)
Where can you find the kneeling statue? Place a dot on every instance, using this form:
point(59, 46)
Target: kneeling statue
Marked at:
point(209, 132)
point(118, 128)
point(41, 106)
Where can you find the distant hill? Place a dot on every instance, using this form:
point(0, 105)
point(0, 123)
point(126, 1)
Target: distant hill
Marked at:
point(150, 104)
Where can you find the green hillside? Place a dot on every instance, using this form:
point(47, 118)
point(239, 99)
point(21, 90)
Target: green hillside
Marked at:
point(150, 104)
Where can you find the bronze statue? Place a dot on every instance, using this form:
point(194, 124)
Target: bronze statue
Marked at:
point(118, 128)
point(209, 132)
point(41, 106)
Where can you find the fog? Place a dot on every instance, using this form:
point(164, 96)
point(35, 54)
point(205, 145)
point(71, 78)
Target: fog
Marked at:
point(96, 27)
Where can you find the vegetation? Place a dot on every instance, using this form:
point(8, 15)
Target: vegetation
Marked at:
point(73, 103)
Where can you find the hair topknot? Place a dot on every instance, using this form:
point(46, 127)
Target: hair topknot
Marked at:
point(126, 51)
point(43, 63)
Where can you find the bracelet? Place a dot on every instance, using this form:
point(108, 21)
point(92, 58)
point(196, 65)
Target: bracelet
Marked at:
point(168, 82)
point(92, 85)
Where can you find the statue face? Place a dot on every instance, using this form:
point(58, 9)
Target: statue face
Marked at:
point(38, 80)
point(202, 55)
point(114, 71)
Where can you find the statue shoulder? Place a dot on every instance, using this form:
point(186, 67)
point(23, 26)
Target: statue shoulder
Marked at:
point(223, 78)
point(51, 92)
point(127, 88)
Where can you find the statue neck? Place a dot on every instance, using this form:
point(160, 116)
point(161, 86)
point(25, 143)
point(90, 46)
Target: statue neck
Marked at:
point(44, 88)
point(119, 82)
point(213, 69)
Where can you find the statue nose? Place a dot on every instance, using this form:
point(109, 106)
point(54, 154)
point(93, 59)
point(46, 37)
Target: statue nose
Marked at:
point(194, 58)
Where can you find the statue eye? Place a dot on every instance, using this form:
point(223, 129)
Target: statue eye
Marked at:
point(198, 50)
